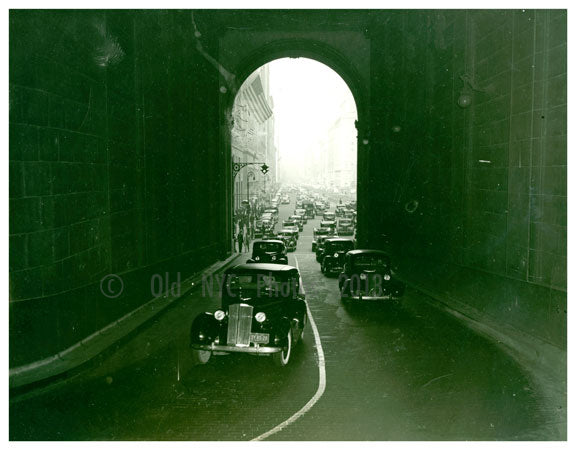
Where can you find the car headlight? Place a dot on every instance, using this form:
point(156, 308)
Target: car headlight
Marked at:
point(274, 258)
point(257, 258)
point(335, 255)
point(260, 317)
point(219, 315)
point(386, 277)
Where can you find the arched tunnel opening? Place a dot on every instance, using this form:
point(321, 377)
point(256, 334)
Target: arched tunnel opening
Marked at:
point(129, 165)
point(294, 134)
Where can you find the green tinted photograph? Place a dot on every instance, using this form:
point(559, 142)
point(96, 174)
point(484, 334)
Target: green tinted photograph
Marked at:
point(287, 224)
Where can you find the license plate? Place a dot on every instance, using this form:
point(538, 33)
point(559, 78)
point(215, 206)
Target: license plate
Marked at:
point(259, 338)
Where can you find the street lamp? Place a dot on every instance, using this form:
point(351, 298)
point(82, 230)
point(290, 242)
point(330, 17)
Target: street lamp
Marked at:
point(238, 166)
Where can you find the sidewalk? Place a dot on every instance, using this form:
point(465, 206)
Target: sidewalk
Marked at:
point(99, 341)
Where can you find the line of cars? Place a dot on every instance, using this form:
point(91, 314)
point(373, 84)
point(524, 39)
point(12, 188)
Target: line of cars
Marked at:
point(263, 304)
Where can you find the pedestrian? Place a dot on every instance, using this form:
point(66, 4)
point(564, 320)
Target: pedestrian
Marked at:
point(247, 242)
point(240, 241)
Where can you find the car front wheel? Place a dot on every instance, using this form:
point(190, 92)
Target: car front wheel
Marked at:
point(282, 358)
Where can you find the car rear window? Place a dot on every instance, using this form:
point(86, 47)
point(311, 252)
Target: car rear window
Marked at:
point(371, 261)
point(342, 245)
point(268, 246)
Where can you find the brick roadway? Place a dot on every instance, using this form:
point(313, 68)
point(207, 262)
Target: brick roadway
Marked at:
point(404, 373)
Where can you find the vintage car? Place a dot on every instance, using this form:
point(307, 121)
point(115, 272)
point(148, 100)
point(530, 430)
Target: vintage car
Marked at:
point(299, 221)
point(302, 213)
point(329, 215)
point(349, 213)
point(273, 213)
point(309, 208)
point(269, 251)
point(267, 225)
point(263, 312)
point(320, 246)
point(291, 225)
point(345, 227)
point(328, 224)
point(258, 229)
point(333, 253)
point(367, 275)
point(290, 238)
point(340, 210)
point(317, 233)
point(319, 206)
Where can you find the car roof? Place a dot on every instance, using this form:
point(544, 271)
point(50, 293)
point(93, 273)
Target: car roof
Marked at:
point(338, 239)
point(273, 241)
point(362, 251)
point(261, 267)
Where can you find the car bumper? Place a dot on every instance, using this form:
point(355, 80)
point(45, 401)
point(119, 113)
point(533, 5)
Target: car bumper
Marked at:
point(235, 349)
point(371, 298)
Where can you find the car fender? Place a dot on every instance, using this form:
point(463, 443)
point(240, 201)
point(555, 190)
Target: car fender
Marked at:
point(206, 324)
point(281, 328)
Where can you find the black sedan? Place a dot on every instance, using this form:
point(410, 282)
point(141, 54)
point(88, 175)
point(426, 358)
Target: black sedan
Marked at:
point(367, 276)
point(269, 251)
point(263, 312)
point(333, 254)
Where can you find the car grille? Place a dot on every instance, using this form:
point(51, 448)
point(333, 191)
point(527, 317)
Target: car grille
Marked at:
point(239, 324)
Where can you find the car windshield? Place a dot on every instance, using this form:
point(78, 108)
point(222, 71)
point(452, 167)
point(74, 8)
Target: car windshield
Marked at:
point(371, 261)
point(261, 285)
point(322, 231)
point(339, 246)
point(263, 247)
point(345, 222)
point(289, 223)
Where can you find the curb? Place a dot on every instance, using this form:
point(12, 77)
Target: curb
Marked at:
point(96, 343)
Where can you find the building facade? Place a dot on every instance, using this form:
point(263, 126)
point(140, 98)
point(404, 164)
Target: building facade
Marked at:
point(338, 149)
point(253, 138)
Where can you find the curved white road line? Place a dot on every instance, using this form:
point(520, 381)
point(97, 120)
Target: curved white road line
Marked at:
point(321, 381)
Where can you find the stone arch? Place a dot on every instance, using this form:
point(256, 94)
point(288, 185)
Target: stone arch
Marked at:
point(295, 48)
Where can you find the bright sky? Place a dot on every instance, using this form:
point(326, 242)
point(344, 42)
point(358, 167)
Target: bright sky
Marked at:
point(307, 97)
